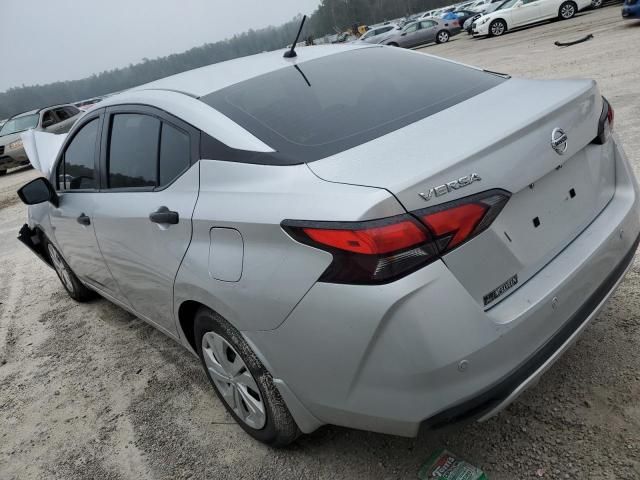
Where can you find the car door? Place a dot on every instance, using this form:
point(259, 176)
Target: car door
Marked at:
point(143, 222)
point(408, 37)
point(428, 31)
point(549, 8)
point(525, 12)
point(76, 180)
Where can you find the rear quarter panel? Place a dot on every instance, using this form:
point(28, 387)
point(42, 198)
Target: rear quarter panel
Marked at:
point(276, 270)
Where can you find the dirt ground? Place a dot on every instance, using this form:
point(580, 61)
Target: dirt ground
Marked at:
point(88, 391)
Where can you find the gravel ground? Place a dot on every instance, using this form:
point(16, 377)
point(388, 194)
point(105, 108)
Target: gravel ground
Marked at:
point(88, 391)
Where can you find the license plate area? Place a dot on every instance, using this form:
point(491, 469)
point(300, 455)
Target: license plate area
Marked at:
point(543, 218)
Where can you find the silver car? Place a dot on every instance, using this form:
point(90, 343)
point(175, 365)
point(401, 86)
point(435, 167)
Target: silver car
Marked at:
point(332, 252)
point(421, 32)
point(55, 119)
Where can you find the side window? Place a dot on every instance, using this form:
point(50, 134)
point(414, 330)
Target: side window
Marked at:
point(62, 113)
point(48, 119)
point(411, 28)
point(175, 153)
point(133, 151)
point(71, 110)
point(78, 164)
point(145, 152)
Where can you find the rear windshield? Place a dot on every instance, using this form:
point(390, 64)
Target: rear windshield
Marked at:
point(322, 107)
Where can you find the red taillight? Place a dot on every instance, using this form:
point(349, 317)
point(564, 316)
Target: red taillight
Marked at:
point(457, 222)
point(381, 251)
point(371, 241)
point(605, 124)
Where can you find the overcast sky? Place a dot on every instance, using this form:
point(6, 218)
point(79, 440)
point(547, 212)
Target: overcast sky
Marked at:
point(42, 41)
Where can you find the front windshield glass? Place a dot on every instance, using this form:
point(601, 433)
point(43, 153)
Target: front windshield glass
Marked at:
point(19, 124)
point(507, 4)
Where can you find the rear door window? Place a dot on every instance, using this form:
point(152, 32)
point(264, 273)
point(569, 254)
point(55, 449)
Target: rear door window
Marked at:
point(145, 152)
point(133, 151)
point(175, 153)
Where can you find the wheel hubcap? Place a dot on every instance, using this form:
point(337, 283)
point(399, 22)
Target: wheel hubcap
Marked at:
point(567, 11)
point(498, 29)
point(61, 268)
point(233, 380)
point(443, 37)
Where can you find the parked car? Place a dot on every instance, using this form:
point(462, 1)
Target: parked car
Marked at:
point(631, 9)
point(461, 16)
point(487, 8)
point(422, 32)
point(55, 119)
point(518, 13)
point(375, 34)
point(265, 220)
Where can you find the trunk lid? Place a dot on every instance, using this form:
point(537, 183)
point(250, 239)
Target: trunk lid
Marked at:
point(504, 137)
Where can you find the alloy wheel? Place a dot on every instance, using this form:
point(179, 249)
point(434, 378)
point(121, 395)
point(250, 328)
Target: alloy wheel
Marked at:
point(233, 380)
point(567, 11)
point(443, 37)
point(497, 28)
point(61, 268)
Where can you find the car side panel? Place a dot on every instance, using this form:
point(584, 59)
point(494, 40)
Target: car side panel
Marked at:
point(277, 271)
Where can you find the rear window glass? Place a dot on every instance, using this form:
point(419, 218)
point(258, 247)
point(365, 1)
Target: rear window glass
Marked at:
point(321, 107)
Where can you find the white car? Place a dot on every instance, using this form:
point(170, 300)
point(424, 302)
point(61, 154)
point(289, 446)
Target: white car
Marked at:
point(375, 33)
point(517, 13)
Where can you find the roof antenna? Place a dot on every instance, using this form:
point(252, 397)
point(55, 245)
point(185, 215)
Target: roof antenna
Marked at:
point(292, 53)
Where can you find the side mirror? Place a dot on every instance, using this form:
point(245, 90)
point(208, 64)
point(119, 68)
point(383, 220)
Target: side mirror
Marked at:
point(37, 191)
point(47, 123)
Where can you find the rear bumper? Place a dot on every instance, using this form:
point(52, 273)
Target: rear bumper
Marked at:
point(421, 350)
point(499, 396)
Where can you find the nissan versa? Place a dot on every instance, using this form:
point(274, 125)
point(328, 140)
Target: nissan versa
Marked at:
point(332, 251)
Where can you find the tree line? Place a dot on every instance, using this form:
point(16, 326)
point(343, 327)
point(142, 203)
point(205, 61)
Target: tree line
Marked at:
point(330, 17)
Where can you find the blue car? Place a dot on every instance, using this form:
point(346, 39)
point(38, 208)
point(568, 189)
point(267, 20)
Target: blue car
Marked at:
point(631, 9)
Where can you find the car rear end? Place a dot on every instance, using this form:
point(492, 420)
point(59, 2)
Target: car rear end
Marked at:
point(509, 244)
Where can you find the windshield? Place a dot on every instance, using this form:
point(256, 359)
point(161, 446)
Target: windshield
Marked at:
point(19, 124)
point(507, 4)
point(305, 114)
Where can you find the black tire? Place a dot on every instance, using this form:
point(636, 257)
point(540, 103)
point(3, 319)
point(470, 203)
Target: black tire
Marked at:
point(3, 172)
point(497, 28)
point(442, 36)
point(393, 44)
point(567, 10)
point(280, 428)
point(74, 287)
point(596, 4)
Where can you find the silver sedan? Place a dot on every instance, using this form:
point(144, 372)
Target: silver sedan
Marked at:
point(363, 253)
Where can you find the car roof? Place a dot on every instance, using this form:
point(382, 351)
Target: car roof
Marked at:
point(204, 80)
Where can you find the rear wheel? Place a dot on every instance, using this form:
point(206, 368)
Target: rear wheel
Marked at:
point(567, 10)
point(596, 3)
point(442, 36)
point(241, 382)
point(69, 280)
point(3, 172)
point(497, 28)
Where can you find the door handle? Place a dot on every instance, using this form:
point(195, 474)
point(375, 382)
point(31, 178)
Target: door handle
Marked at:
point(164, 215)
point(83, 219)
